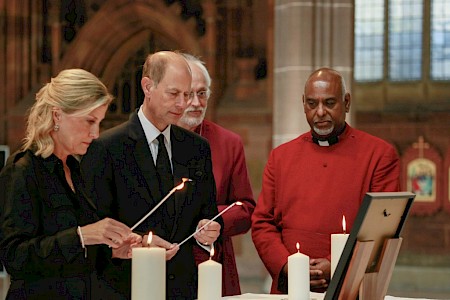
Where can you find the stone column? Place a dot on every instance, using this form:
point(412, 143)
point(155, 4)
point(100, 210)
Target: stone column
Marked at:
point(307, 35)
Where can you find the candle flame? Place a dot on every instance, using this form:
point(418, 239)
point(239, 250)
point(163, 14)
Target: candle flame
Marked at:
point(298, 247)
point(211, 254)
point(149, 238)
point(239, 203)
point(343, 224)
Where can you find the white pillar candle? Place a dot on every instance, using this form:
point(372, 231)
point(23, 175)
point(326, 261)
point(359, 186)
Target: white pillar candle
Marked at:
point(298, 276)
point(148, 273)
point(338, 241)
point(210, 279)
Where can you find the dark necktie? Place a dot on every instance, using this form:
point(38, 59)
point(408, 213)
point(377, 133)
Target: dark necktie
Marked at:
point(165, 175)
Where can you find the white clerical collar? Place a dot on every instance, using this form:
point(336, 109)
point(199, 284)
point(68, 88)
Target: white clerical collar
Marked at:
point(326, 142)
point(323, 143)
point(329, 140)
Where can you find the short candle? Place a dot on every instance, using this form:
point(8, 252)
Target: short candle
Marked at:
point(298, 276)
point(210, 279)
point(148, 272)
point(338, 241)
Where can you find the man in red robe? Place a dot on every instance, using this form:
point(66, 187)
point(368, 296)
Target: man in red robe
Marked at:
point(311, 182)
point(230, 174)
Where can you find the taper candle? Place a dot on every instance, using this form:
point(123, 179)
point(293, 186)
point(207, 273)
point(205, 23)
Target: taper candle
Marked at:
point(210, 279)
point(338, 241)
point(209, 222)
point(148, 273)
point(298, 276)
point(177, 188)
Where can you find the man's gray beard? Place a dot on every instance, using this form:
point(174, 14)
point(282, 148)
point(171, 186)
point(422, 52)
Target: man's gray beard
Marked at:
point(192, 121)
point(323, 132)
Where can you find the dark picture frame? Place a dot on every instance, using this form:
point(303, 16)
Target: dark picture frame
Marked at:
point(4, 153)
point(3, 273)
point(381, 216)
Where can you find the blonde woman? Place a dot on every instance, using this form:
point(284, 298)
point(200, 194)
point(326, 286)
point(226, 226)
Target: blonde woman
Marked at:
point(51, 239)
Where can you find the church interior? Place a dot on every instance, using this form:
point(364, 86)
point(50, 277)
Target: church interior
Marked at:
point(393, 54)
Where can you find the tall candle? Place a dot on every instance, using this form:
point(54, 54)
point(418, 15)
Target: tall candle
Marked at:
point(148, 273)
point(298, 276)
point(338, 241)
point(210, 279)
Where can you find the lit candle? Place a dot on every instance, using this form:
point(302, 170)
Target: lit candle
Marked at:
point(338, 241)
point(209, 222)
point(210, 279)
point(148, 272)
point(177, 188)
point(298, 276)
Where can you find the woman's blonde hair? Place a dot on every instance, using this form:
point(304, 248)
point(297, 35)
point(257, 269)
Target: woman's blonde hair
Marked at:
point(76, 92)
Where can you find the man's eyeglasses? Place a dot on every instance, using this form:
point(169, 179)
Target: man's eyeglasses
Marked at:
point(201, 95)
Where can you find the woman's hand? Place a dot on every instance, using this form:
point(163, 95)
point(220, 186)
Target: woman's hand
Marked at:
point(124, 251)
point(107, 231)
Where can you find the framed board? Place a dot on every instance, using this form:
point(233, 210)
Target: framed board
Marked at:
point(381, 216)
point(4, 153)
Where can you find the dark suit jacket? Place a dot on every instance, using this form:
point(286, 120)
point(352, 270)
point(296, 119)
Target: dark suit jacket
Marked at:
point(39, 245)
point(121, 176)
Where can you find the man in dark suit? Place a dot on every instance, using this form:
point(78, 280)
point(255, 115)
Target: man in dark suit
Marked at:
point(123, 178)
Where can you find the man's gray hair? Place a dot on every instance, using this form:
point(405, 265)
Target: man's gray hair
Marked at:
point(201, 64)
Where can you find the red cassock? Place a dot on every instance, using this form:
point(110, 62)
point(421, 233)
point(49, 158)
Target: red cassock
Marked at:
point(308, 188)
point(233, 184)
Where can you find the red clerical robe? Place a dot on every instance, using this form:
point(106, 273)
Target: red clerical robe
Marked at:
point(308, 188)
point(232, 182)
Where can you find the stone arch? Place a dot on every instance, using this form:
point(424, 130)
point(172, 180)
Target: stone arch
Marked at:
point(120, 28)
